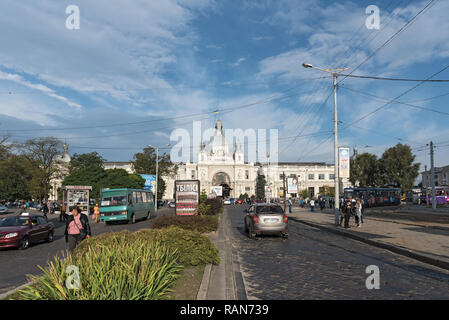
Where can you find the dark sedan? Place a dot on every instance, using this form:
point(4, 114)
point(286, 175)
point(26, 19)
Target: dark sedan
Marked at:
point(19, 231)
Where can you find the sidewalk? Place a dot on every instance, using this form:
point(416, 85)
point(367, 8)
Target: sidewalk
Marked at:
point(422, 240)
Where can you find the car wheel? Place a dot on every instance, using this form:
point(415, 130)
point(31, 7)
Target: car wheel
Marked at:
point(50, 236)
point(133, 219)
point(285, 235)
point(148, 216)
point(24, 244)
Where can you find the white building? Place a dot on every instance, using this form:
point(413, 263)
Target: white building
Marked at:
point(221, 163)
point(62, 162)
point(441, 177)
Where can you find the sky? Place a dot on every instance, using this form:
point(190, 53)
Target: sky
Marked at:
point(137, 70)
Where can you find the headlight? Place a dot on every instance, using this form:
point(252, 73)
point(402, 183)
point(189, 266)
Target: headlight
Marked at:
point(11, 235)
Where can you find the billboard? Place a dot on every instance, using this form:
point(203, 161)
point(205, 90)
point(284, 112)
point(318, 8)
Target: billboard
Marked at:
point(150, 181)
point(218, 190)
point(292, 185)
point(343, 162)
point(187, 197)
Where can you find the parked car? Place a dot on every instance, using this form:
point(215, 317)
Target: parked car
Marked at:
point(19, 231)
point(239, 201)
point(160, 203)
point(3, 209)
point(265, 218)
point(227, 201)
point(172, 204)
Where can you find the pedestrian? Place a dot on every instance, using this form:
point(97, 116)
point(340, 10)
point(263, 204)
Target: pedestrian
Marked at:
point(77, 228)
point(302, 203)
point(96, 213)
point(52, 207)
point(312, 205)
point(45, 210)
point(62, 215)
point(289, 205)
point(358, 212)
point(363, 210)
point(348, 212)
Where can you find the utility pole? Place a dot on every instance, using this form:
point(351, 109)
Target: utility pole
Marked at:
point(432, 177)
point(285, 191)
point(334, 73)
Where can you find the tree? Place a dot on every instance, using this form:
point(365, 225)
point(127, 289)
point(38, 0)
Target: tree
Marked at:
point(145, 163)
point(260, 186)
point(42, 154)
point(327, 191)
point(79, 161)
point(397, 167)
point(304, 193)
point(87, 176)
point(365, 171)
point(15, 175)
point(119, 178)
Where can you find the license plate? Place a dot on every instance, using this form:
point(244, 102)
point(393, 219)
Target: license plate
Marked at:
point(113, 218)
point(271, 220)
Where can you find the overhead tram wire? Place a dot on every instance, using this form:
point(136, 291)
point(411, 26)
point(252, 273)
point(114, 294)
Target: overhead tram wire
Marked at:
point(396, 98)
point(394, 79)
point(386, 43)
point(193, 147)
point(393, 101)
point(223, 110)
point(362, 41)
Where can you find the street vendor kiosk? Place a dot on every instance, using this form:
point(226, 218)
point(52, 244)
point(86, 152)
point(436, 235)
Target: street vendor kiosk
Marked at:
point(76, 196)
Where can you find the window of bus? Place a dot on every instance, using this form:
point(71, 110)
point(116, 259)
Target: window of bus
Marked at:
point(113, 200)
point(149, 197)
point(144, 197)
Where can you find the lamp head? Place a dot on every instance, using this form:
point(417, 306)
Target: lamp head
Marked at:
point(307, 65)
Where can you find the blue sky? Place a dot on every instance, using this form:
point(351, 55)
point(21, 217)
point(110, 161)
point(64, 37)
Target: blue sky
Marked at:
point(139, 61)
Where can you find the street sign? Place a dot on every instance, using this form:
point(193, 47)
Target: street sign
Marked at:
point(187, 197)
point(150, 181)
point(343, 162)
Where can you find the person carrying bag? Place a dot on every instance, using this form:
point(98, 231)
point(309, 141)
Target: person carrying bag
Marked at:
point(77, 228)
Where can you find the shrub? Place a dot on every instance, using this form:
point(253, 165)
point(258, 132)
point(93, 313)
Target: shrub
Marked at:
point(111, 268)
point(196, 223)
point(214, 206)
point(192, 247)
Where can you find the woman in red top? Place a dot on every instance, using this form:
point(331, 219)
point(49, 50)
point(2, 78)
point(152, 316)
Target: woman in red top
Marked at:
point(77, 228)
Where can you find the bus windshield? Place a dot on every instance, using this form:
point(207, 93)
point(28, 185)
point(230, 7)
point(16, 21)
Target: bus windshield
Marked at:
point(112, 200)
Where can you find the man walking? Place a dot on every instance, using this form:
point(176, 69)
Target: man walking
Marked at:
point(312, 205)
point(363, 210)
point(289, 201)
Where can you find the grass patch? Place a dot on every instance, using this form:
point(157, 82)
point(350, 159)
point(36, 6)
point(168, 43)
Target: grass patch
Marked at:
point(188, 283)
point(201, 224)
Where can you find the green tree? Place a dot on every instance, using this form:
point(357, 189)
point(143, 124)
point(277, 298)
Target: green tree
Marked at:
point(119, 178)
point(365, 171)
point(304, 193)
point(87, 176)
point(260, 186)
point(327, 191)
point(398, 169)
point(145, 163)
point(15, 175)
point(42, 154)
point(79, 161)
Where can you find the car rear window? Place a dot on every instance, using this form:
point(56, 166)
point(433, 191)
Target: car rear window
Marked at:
point(269, 209)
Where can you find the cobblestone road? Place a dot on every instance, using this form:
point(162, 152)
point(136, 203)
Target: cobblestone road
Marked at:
point(315, 264)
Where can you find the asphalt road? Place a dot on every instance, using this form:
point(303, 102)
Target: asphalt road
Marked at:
point(315, 264)
point(16, 264)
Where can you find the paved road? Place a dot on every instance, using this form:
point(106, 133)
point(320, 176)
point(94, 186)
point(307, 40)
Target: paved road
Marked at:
point(16, 264)
point(315, 264)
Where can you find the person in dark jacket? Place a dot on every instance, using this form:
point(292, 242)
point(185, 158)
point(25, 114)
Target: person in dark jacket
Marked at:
point(77, 228)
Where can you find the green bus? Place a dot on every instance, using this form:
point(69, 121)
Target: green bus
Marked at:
point(126, 205)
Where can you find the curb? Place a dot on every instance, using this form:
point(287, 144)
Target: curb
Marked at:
point(393, 248)
point(204, 287)
point(7, 293)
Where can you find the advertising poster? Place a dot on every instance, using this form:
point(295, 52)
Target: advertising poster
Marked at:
point(150, 181)
point(292, 185)
point(187, 197)
point(218, 190)
point(343, 159)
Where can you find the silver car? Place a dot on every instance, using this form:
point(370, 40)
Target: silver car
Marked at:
point(3, 209)
point(266, 218)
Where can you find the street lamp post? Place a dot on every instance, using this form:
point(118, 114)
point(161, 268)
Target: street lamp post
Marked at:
point(334, 73)
point(157, 169)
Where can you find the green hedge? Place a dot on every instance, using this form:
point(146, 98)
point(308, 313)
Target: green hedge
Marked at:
point(201, 224)
point(142, 265)
point(114, 270)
